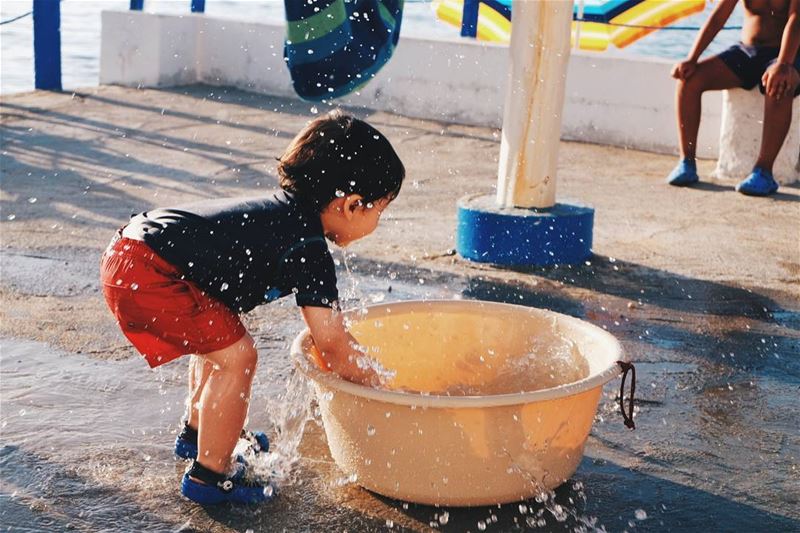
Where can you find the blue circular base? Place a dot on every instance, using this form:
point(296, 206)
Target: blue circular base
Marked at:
point(489, 234)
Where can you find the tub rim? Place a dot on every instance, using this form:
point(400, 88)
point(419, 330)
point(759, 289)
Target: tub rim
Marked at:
point(331, 380)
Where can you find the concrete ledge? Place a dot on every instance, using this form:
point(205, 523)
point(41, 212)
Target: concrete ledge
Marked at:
point(740, 138)
point(148, 50)
point(609, 100)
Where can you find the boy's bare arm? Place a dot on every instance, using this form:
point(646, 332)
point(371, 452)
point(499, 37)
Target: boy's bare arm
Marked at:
point(338, 349)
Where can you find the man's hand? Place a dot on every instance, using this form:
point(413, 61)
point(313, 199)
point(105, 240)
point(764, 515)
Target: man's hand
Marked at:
point(683, 71)
point(779, 79)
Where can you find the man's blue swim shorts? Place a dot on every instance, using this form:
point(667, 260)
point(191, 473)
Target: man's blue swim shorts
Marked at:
point(750, 62)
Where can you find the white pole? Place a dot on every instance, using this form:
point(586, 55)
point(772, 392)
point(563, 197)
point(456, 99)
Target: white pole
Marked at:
point(540, 46)
point(578, 24)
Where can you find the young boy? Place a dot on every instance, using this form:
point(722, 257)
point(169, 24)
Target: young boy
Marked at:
point(767, 56)
point(177, 278)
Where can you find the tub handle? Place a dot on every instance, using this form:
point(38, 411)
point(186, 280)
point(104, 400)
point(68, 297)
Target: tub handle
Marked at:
point(627, 416)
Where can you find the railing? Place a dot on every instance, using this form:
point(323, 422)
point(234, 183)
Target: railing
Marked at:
point(197, 6)
point(47, 39)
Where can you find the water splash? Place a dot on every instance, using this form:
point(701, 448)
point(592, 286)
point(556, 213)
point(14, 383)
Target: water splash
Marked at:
point(289, 413)
point(551, 360)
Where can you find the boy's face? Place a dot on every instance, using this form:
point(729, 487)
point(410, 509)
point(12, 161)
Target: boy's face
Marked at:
point(348, 219)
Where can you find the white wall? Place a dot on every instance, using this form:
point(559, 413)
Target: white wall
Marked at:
point(621, 102)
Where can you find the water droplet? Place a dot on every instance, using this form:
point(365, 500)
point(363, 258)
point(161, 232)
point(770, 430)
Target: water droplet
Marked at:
point(224, 286)
point(11, 217)
point(481, 525)
point(339, 193)
point(640, 514)
point(444, 518)
point(134, 286)
point(370, 431)
point(32, 200)
point(389, 523)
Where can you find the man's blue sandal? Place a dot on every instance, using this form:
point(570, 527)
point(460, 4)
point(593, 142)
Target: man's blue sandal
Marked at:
point(207, 487)
point(186, 442)
point(685, 173)
point(760, 182)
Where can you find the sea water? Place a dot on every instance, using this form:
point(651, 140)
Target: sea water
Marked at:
point(80, 34)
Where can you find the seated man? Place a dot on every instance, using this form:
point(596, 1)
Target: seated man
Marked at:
point(768, 57)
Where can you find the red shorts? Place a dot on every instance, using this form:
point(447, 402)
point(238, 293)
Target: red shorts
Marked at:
point(163, 315)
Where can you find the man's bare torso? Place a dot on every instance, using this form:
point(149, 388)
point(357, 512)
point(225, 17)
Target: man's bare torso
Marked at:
point(764, 21)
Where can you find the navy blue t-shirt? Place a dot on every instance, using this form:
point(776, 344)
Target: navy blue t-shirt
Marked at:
point(245, 251)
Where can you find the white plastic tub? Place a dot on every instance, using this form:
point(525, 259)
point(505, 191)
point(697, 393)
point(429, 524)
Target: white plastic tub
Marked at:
point(508, 396)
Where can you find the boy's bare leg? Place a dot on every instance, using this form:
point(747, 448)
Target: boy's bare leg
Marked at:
point(711, 75)
point(224, 401)
point(199, 370)
point(777, 119)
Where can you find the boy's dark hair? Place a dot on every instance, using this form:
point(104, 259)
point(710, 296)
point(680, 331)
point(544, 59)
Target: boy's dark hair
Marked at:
point(337, 153)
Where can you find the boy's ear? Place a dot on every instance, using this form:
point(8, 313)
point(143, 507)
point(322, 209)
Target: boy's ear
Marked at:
point(351, 203)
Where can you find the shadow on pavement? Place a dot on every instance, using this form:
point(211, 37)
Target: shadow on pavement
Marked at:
point(602, 493)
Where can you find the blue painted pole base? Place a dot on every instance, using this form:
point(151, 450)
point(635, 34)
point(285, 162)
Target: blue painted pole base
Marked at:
point(523, 237)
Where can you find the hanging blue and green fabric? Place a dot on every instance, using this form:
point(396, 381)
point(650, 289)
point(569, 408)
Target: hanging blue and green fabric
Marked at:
point(335, 46)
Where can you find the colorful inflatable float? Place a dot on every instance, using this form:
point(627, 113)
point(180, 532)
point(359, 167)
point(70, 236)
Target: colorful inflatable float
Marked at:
point(597, 23)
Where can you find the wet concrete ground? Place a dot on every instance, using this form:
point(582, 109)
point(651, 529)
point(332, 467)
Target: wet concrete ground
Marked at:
point(700, 285)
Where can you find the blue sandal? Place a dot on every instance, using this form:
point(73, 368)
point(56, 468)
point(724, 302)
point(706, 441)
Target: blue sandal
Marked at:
point(685, 173)
point(207, 487)
point(760, 182)
point(186, 442)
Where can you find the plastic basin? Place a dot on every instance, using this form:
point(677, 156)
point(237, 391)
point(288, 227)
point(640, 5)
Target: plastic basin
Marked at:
point(492, 403)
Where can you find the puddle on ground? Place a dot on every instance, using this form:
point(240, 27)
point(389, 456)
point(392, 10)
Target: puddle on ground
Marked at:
point(87, 446)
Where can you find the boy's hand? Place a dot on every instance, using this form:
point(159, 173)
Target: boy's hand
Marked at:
point(684, 70)
point(336, 348)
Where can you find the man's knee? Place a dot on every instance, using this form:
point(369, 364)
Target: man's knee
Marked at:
point(789, 92)
point(693, 85)
point(785, 99)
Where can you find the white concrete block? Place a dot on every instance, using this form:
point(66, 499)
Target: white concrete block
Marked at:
point(178, 59)
point(440, 80)
point(244, 54)
point(740, 138)
point(148, 50)
point(129, 49)
point(609, 100)
point(630, 103)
